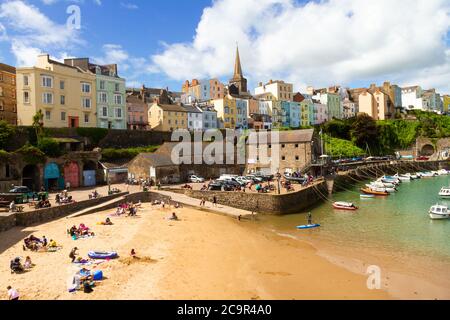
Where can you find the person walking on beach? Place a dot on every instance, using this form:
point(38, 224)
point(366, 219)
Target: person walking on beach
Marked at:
point(309, 218)
point(12, 293)
point(215, 201)
point(203, 202)
point(73, 254)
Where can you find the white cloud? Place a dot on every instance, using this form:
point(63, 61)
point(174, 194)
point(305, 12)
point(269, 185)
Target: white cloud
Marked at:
point(31, 32)
point(319, 43)
point(129, 6)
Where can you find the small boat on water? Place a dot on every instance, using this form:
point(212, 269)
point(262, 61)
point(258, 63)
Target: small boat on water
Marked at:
point(438, 212)
point(445, 192)
point(381, 189)
point(367, 196)
point(390, 179)
point(443, 172)
point(402, 178)
point(427, 174)
point(375, 193)
point(412, 176)
point(386, 184)
point(345, 206)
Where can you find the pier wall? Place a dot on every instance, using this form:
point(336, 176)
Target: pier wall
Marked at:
point(25, 219)
point(294, 202)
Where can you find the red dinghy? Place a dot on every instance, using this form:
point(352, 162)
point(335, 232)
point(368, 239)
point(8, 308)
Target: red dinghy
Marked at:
point(345, 206)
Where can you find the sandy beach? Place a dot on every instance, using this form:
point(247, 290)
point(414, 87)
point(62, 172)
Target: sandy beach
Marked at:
point(203, 256)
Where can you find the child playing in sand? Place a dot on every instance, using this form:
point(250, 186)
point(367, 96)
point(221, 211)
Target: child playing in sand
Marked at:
point(28, 264)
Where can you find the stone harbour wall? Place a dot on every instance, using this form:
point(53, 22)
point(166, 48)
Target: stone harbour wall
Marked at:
point(290, 203)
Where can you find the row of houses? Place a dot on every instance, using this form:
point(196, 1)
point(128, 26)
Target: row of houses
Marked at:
point(79, 93)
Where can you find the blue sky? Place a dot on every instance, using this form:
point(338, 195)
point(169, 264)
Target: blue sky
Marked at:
point(320, 43)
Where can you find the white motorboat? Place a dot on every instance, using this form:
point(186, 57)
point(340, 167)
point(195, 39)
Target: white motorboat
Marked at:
point(390, 179)
point(445, 192)
point(402, 178)
point(385, 184)
point(427, 175)
point(412, 176)
point(378, 189)
point(443, 172)
point(438, 212)
point(381, 187)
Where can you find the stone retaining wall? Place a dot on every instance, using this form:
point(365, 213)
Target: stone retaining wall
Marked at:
point(26, 219)
point(294, 202)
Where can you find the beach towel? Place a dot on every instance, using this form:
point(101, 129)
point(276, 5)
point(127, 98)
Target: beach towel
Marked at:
point(82, 237)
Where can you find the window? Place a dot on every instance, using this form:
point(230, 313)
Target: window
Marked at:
point(118, 99)
point(25, 80)
point(47, 81)
point(86, 118)
point(103, 97)
point(102, 85)
point(297, 158)
point(104, 111)
point(48, 115)
point(85, 87)
point(63, 116)
point(7, 171)
point(62, 84)
point(86, 103)
point(283, 158)
point(296, 145)
point(26, 97)
point(119, 113)
point(63, 100)
point(117, 87)
point(47, 98)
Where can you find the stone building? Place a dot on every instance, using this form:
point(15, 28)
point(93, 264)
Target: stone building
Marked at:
point(8, 102)
point(137, 112)
point(238, 79)
point(74, 169)
point(296, 151)
point(159, 166)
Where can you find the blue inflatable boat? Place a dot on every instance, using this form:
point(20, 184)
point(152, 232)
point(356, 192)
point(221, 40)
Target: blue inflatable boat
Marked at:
point(102, 255)
point(308, 226)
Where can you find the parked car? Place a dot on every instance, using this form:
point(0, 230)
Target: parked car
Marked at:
point(423, 158)
point(21, 190)
point(220, 185)
point(255, 179)
point(196, 179)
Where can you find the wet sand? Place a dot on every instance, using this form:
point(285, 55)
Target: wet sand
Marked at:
point(203, 256)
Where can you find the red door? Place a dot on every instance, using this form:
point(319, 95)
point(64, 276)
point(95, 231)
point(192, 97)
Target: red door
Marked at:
point(74, 122)
point(72, 174)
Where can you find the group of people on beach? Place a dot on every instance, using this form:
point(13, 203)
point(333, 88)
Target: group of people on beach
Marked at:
point(35, 244)
point(81, 231)
point(130, 209)
point(16, 265)
point(63, 198)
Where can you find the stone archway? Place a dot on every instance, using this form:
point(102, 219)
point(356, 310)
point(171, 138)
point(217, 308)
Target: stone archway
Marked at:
point(31, 177)
point(427, 150)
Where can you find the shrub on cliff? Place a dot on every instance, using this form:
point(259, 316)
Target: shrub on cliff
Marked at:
point(94, 134)
point(130, 153)
point(31, 154)
point(336, 147)
point(50, 147)
point(6, 132)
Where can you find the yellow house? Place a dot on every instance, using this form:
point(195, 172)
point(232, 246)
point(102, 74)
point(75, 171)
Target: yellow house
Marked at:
point(64, 94)
point(226, 112)
point(446, 103)
point(167, 117)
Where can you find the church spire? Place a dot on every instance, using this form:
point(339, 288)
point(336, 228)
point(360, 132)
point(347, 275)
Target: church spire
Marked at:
point(237, 65)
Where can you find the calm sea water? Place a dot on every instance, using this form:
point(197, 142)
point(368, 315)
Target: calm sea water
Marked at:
point(398, 224)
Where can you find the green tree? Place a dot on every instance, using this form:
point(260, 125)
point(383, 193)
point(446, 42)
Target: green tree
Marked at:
point(38, 124)
point(50, 147)
point(6, 132)
point(364, 133)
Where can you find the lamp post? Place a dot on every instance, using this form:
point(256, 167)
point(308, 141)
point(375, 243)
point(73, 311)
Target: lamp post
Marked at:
point(107, 181)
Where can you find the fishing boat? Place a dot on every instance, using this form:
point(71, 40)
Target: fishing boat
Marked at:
point(345, 206)
point(428, 174)
point(391, 179)
point(412, 176)
point(386, 184)
point(402, 178)
point(381, 189)
point(375, 193)
point(445, 192)
point(438, 212)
